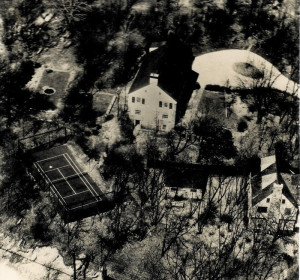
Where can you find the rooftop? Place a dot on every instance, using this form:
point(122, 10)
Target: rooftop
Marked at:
point(173, 63)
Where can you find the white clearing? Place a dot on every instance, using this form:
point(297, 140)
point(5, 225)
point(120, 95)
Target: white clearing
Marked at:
point(9, 273)
point(216, 68)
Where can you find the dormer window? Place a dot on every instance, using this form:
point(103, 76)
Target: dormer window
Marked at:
point(287, 211)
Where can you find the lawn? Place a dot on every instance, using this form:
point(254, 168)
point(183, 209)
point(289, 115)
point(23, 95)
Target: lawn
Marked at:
point(212, 104)
point(57, 80)
point(101, 102)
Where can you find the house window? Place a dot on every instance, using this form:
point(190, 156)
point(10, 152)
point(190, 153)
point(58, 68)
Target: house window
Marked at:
point(160, 104)
point(165, 116)
point(137, 122)
point(268, 200)
point(143, 100)
point(170, 106)
point(262, 209)
point(133, 99)
point(287, 211)
point(138, 99)
point(164, 126)
point(137, 112)
point(283, 201)
point(166, 104)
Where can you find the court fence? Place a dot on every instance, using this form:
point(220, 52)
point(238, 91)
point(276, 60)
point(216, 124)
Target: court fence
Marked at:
point(45, 140)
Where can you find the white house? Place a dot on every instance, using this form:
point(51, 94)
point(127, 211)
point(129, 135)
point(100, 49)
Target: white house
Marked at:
point(185, 193)
point(273, 202)
point(151, 107)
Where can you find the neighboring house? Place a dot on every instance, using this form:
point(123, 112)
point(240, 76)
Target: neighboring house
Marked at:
point(273, 197)
point(151, 107)
point(184, 193)
point(183, 181)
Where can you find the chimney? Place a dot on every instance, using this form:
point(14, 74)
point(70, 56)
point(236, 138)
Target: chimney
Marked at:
point(154, 79)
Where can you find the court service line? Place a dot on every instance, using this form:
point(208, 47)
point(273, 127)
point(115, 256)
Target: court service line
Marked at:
point(67, 177)
point(84, 205)
point(57, 168)
point(45, 159)
point(87, 183)
point(48, 179)
point(76, 193)
point(66, 181)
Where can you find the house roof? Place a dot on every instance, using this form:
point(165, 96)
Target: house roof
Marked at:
point(262, 194)
point(267, 162)
point(173, 63)
point(263, 183)
point(185, 178)
point(150, 89)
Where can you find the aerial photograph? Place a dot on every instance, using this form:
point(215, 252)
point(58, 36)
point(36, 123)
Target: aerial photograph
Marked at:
point(149, 139)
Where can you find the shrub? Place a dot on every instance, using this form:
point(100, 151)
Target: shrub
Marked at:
point(226, 218)
point(126, 127)
point(109, 117)
point(217, 88)
point(242, 126)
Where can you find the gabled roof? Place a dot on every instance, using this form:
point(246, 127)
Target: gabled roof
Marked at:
point(290, 191)
point(263, 182)
point(267, 162)
point(173, 63)
point(262, 195)
point(150, 89)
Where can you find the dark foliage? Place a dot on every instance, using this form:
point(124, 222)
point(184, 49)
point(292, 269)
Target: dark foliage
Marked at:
point(17, 188)
point(17, 102)
point(126, 127)
point(117, 163)
point(217, 88)
point(215, 142)
point(242, 126)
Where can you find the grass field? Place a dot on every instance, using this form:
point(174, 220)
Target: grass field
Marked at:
point(101, 102)
point(212, 104)
point(57, 80)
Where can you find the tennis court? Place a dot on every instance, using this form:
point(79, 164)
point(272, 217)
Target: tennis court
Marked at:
point(74, 189)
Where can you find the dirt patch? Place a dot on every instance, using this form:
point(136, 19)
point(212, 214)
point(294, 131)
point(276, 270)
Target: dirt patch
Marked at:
point(247, 70)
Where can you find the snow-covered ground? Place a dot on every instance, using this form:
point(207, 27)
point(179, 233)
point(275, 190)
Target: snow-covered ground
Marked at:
point(9, 273)
point(34, 263)
point(3, 51)
point(216, 68)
